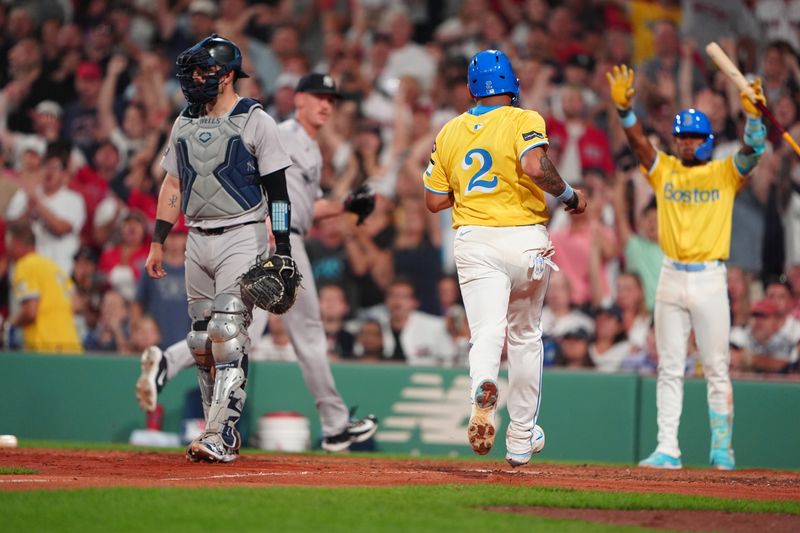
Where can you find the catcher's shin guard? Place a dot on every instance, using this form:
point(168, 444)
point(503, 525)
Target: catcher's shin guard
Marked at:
point(206, 383)
point(198, 339)
point(228, 400)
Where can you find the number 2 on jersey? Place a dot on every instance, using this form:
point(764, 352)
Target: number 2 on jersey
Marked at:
point(477, 182)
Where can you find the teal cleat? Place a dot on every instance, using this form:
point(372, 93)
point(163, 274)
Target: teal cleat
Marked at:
point(722, 459)
point(662, 461)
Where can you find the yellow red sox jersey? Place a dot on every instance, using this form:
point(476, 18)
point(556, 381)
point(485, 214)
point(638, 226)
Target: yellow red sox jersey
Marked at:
point(695, 207)
point(477, 156)
point(37, 277)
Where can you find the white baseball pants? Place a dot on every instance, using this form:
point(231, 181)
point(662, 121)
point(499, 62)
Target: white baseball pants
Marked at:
point(503, 301)
point(684, 301)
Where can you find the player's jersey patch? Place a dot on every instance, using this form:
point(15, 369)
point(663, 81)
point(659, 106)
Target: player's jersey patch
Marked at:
point(532, 135)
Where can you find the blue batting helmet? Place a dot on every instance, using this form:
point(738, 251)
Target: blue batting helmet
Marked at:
point(211, 51)
point(692, 121)
point(490, 73)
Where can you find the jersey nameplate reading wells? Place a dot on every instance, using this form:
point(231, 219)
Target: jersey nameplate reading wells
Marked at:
point(532, 135)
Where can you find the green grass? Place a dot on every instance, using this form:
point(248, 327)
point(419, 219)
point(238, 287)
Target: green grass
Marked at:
point(406, 509)
point(16, 470)
point(441, 508)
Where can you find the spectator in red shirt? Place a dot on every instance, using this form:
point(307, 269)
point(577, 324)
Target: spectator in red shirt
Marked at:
point(580, 144)
point(123, 264)
point(92, 182)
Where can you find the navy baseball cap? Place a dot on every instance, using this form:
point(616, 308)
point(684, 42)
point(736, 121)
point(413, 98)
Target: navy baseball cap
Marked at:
point(316, 83)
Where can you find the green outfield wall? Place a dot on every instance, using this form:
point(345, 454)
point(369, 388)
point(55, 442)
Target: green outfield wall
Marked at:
point(586, 416)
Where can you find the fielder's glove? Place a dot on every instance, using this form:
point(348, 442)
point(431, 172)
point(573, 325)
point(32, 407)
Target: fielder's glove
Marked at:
point(271, 284)
point(749, 106)
point(361, 201)
point(620, 81)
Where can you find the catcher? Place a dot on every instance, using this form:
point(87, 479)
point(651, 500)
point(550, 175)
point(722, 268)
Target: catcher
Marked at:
point(274, 283)
point(223, 155)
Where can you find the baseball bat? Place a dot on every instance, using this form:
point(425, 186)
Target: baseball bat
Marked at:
point(725, 64)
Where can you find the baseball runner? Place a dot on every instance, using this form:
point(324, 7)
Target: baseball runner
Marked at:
point(314, 100)
point(224, 154)
point(695, 202)
point(490, 165)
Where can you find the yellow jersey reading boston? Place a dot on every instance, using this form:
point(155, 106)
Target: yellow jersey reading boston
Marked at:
point(477, 156)
point(695, 207)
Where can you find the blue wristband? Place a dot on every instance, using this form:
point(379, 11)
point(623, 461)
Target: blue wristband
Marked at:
point(755, 134)
point(753, 123)
point(567, 195)
point(628, 119)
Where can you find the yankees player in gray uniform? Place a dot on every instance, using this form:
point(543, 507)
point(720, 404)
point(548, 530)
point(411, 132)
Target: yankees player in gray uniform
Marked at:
point(314, 100)
point(224, 154)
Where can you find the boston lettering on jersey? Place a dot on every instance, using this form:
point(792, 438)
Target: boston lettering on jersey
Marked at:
point(690, 196)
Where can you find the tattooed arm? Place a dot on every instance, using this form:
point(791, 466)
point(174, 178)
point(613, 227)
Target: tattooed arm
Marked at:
point(167, 212)
point(542, 171)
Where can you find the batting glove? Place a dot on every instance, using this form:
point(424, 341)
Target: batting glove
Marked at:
point(749, 106)
point(620, 80)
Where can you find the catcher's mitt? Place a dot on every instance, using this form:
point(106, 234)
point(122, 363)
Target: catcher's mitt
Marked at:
point(271, 284)
point(360, 201)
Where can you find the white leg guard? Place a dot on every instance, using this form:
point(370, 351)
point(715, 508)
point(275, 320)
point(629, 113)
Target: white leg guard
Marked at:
point(206, 388)
point(199, 345)
point(227, 330)
point(227, 404)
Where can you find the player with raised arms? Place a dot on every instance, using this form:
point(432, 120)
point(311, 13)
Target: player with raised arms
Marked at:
point(694, 195)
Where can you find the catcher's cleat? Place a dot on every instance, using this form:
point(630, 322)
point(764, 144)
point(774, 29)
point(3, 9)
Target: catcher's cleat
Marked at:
point(661, 461)
point(210, 448)
point(356, 431)
point(481, 430)
point(519, 453)
point(152, 378)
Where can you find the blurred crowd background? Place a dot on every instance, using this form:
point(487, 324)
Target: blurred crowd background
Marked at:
point(88, 96)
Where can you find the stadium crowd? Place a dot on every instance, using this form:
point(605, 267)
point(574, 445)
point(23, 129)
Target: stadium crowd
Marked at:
point(88, 94)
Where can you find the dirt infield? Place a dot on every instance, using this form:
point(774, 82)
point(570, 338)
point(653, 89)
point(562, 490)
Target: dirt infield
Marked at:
point(59, 469)
point(78, 468)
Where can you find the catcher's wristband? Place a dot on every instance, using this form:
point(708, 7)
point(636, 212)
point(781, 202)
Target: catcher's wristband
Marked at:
point(627, 117)
point(161, 230)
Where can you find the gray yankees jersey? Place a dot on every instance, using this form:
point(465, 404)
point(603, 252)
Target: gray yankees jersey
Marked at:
point(239, 198)
point(303, 177)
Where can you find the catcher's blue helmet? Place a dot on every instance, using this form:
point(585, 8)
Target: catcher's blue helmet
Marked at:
point(692, 121)
point(211, 51)
point(490, 73)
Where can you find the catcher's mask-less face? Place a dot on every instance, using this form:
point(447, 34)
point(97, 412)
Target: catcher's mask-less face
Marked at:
point(201, 67)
